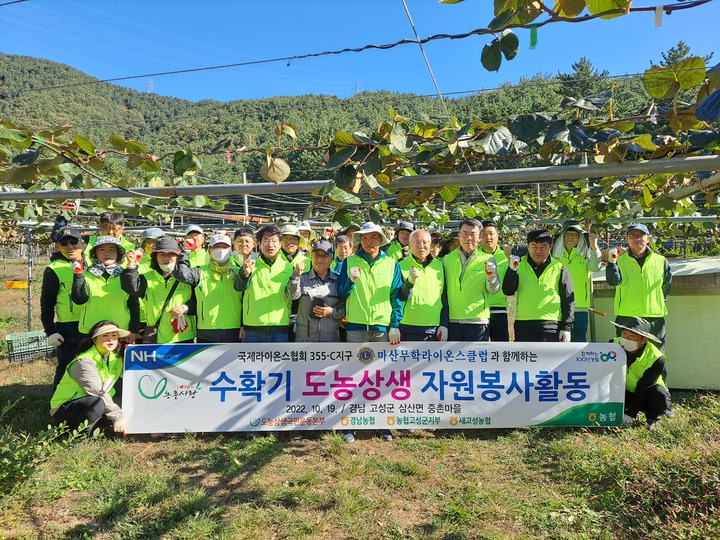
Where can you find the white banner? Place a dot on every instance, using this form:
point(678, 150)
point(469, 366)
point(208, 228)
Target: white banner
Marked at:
point(452, 385)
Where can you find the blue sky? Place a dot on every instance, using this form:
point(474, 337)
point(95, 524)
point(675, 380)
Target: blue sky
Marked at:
point(132, 37)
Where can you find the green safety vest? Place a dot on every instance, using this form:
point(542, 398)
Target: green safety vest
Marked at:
point(577, 265)
point(395, 250)
point(466, 293)
point(68, 389)
point(155, 295)
point(369, 300)
point(424, 305)
point(641, 365)
point(65, 309)
point(640, 294)
point(538, 298)
point(198, 258)
point(106, 300)
point(143, 266)
point(264, 301)
point(499, 300)
point(299, 258)
point(219, 304)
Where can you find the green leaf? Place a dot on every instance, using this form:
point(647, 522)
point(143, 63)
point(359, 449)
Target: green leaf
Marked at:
point(12, 134)
point(664, 82)
point(308, 212)
point(149, 165)
point(146, 210)
point(647, 196)
point(343, 196)
point(342, 217)
point(373, 184)
point(528, 126)
point(133, 162)
point(324, 190)
point(156, 181)
point(509, 44)
point(375, 216)
point(425, 129)
point(405, 198)
point(498, 142)
point(665, 202)
point(343, 138)
point(557, 131)
point(118, 142)
point(85, 145)
point(398, 138)
point(501, 21)
point(449, 193)
point(644, 142)
point(182, 161)
point(600, 6)
point(491, 56)
point(569, 8)
point(341, 157)
point(135, 147)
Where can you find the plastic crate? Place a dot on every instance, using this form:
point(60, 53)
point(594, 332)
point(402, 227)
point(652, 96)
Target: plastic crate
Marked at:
point(28, 345)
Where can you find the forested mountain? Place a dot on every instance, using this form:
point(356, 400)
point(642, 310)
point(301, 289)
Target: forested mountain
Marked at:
point(41, 94)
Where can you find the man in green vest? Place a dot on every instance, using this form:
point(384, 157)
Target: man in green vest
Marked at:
point(219, 305)
point(424, 318)
point(645, 389)
point(58, 313)
point(470, 281)
point(642, 281)
point(293, 250)
point(399, 248)
point(343, 248)
point(543, 290)
point(265, 283)
point(244, 246)
point(580, 254)
point(147, 245)
point(370, 282)
point(194, 242)
point(489, 240)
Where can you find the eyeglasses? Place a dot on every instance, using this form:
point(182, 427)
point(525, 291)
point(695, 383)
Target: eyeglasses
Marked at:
point(69, 242)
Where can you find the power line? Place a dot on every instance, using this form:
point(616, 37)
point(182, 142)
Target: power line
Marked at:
point(289, 59)
point(14, 2)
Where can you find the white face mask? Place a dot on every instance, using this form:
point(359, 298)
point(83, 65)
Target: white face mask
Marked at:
point(220, 255)
point(167, 267)
point(629, 345)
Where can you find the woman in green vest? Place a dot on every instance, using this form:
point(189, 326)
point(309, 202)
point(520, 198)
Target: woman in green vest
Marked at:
point(169, 304)
point(98, 290)
point(86, 390)
point(645, 389)
point(219, 305)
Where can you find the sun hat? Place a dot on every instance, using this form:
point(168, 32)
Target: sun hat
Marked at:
point(639, 326)
point(153, 233)
point(370, 227)
point(292, 230)
point(405, 226)
point(194, 228)
point(572, 225)
point(110, 327)
point(305, 226)
point(108, 240)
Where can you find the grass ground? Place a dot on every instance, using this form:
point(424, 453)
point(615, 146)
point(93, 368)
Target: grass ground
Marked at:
point(485, 484)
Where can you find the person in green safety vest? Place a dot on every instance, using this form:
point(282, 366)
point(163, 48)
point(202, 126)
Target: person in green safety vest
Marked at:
point(399, 247)
point(343, 247)
point(90, 388)
point(489, 243)
point(425, 315)
point(58, 313)
point(244, 244)
point(470, 281)
point(645, 389)
point(219, 305)
point(169, 307)
point(543, 290)
point(98, 290)
point(194, 243)
point(293, 250)
point(264, 282)
point(370, 283)
point(147, 245)
point(580, 254)
point(642, 281)
point(307, 233)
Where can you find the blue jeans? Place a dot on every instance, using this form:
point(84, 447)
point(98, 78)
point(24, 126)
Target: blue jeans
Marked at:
point(260, 336)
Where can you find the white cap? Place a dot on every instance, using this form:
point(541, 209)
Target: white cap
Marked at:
point(222, 238)
point(193, 228)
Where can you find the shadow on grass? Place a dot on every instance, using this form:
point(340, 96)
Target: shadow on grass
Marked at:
point(32, 413)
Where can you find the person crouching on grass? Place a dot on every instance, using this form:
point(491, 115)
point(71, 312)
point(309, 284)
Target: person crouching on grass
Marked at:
point(93, 378)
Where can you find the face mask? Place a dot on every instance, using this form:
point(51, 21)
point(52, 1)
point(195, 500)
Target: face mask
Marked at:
point(220, 255)
point(628, 345)
point(167, 267)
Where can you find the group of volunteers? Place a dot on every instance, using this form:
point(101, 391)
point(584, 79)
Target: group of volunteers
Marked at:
point(281, 284)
